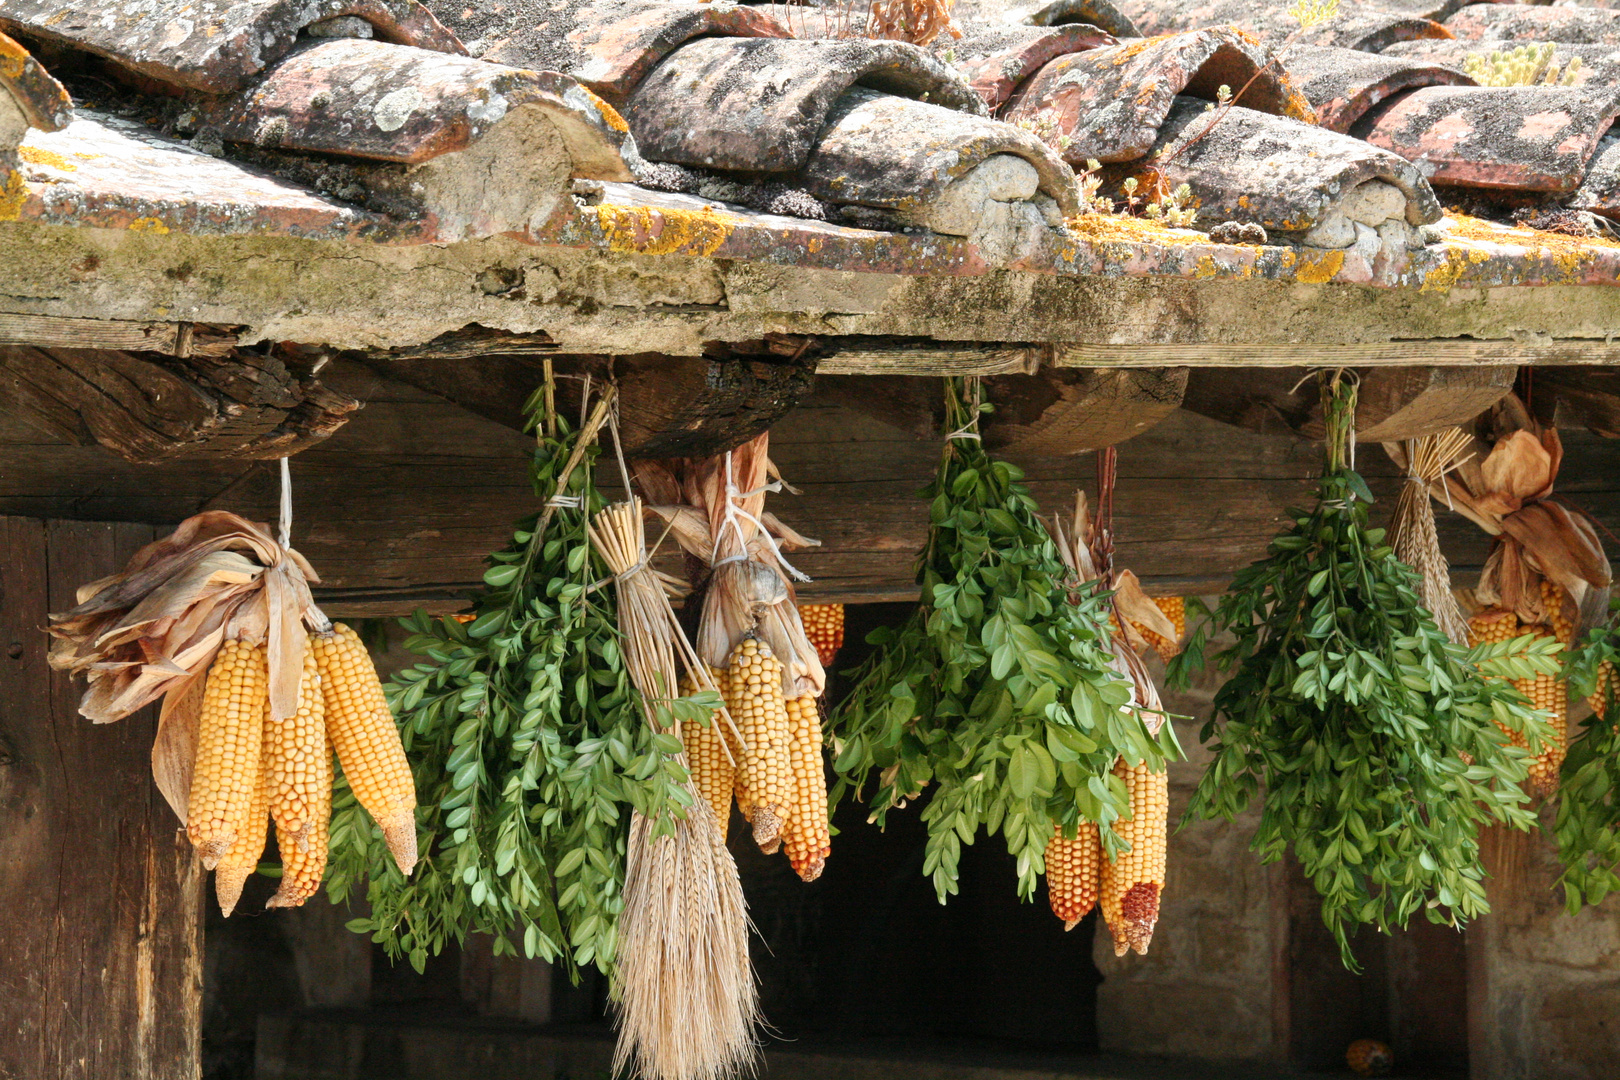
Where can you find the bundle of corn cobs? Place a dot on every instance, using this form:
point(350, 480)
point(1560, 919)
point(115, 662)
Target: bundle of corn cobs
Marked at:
point(1080, 874)
point(259, 690)
point(1547, 575)
point(753, 638)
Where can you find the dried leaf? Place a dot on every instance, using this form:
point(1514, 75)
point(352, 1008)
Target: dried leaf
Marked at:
point(175, 749)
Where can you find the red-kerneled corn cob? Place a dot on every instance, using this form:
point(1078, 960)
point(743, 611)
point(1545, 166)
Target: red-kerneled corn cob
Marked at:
point(824, 626)
point(807, 835)
point(1074, 873)
point(1131, 884)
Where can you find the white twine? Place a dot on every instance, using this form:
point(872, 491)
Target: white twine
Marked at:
point(285, 529)
point(566, 502)
point(963, 432)
point(733, 512)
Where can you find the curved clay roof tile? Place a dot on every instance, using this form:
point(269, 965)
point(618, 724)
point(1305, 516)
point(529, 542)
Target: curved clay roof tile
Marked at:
point(215, 47)
point(759, 104)
point(1342, 84)
point(996, 60)
point(40, 101)
point(1112, 102)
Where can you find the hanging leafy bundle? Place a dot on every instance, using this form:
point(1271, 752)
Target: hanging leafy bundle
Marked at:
point(1375, 737)
point(529, 746)
point(998, 689)
point(1587, 825)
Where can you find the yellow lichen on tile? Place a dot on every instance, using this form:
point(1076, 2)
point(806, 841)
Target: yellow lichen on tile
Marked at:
point(1313, 268)
point(1458, 261)
point(645, 231)
point(36, 156)
point(12, 196)
point(148, 224)
point(1135, 230)
point(610, 115)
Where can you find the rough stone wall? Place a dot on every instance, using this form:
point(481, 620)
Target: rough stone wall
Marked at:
point(1205, 989)
point(1545, 985)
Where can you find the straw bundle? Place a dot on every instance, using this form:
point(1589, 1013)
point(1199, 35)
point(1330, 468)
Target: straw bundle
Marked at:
point(688, 1002)
point(1413, 535)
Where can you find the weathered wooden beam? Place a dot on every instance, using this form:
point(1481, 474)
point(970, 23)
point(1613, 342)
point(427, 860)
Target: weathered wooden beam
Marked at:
point(101, 956)
point(174, 338)
point(1073, 411)
point(147, 408)
point(1587, 397)
point(1439, 351)
point(930, 359)
point(669, 406)
point(1392, 403)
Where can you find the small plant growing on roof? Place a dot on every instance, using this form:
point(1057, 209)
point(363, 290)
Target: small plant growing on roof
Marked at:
point(1313, 13)
point(1527, 65)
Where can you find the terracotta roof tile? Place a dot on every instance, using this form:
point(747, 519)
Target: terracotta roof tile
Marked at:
point(39, 100)
point(1600, 190)
point(218, 47)
point(1342, 84)
point(1600, 64)
point(1367, 27)
point(102, 172)
point(894, 153)
point(370, 99)
point(996, 60)
point(609, 45)
point(758, 104)
point(1111, 102)
point(1523, 138)
point(1277, 172)
point(1099, 13)
point(1527, 22)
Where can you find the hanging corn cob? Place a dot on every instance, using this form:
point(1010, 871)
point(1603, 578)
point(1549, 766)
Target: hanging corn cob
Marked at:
point(807, 834)
point(1334, 659)
point(230, 733)
point(824, 626)
point(1074, 873)
point(711, 762)
point(240, 862)
point(1130, 882)
point(298, 762)
point(752, 685)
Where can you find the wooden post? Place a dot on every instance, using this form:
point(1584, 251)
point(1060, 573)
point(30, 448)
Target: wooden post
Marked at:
point(101, 931)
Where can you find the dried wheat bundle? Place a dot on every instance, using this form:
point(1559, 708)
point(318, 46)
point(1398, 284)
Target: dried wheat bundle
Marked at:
point(688, 1002)
point(1427, 460)
point(155, 628)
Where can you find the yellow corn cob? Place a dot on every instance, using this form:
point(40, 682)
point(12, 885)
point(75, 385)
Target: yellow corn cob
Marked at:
point(752, 687)
point(242, 860)
point(824, 626)
point(225, 778)
point(1073, 873)
point(1552, 601)
point(1129, 886)
point(366, 739)
point(303, 867)
point(1599, 700)
point(298, 762)
point(1175, 609)
point(1493, 625)
point(1549, 693)
point(709, 761)
point(807, 834)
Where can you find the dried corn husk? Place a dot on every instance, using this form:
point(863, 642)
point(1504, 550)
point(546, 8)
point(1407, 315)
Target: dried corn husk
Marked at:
point(714, 508)
point(1506, 488)
point(153, 630)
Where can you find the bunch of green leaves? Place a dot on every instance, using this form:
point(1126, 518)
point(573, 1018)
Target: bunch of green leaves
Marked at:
point(529, 746)
point(1380, 743)
point(1587, 825)
point(997, 689)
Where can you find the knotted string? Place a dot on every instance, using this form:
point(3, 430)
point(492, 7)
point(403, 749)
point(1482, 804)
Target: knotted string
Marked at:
point(284, 531)
point(734, 511)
